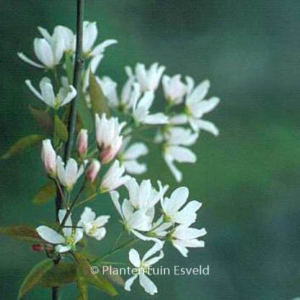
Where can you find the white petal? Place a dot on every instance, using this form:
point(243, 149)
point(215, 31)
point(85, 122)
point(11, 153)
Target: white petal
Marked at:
point(129, 282)
point(156, 247)
point(63, 248)
point(134, 258)
point(183, 250)
point(33, 89)
point(182, 154)
point(135, 151)
point(115, 199)
point(188, 214)
point(88, 215)
point(158, 118)
point(29, 61)
point(147, 284)
point(50, 235)
point(207, 126)
point(135, 167)
point(176, 173)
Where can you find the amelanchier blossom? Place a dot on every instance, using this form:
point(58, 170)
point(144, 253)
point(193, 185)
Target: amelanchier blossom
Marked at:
point(114, 177)
point(108, 137)
point(196, 106)
point(174, 89)
point(68, 174)
point(184, 237)
point(129, 92)
point(174, 149)
point(171, 207)
point(49, 51)
point(47, 95)
point(49, 158)
point(93, 226)
point(149, 79)
point(129, 156)
point(143, 266)
point(141, 111)
point(67, 240)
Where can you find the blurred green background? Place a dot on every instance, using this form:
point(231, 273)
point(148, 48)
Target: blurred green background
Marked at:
point(247, 178)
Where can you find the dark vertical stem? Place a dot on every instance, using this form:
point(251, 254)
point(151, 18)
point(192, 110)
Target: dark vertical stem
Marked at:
point(76, 79)
point(79, 61)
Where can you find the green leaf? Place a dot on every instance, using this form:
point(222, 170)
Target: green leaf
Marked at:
point(34, 276)
point(21, 232)
point(82, 284)
point(42, 118)
point(85, 114)
point(98, 101)
point(46, 193)
point(60, 274)
point(97, 280)
point(22, 144)
point(61, 130)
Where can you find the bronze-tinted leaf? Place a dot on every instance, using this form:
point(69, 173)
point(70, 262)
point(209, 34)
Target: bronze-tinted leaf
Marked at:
point(82, 284)
point(96, 280)
point(59, 275)
point(21, 232)
point(61, 130)
point(98, 101)
point(34, 276)
point(46, 193)
point(42, 118)
point(22, 144)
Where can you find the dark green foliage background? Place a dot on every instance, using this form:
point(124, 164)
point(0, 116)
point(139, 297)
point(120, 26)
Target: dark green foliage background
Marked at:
point(248, 178)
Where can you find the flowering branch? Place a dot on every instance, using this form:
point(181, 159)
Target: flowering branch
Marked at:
point(106, 156)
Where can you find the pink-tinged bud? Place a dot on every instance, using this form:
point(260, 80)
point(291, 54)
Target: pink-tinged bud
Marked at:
point(49, 158)
point(82, 142)
point(93, 170)
point(110, 152)
point(37, 247)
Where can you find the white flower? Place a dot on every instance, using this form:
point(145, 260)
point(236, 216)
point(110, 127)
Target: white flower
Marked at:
point(129, 157)
point(108, 137)
point(184, 237)
point(93, 226)
point(90, 33)
point(149, 79)
point(64, 96)
point(171, 207)
point(69, 174)
point(65, 242)
point(197, 106)
point(49, 50)
point(49, 158)
point(143, 265)
point(174, 88)
point(129, 92)
point(132, 219)
point(174, 150)
point(114, 177)
point(62, 33)
point(141, 113)
point(143, 196)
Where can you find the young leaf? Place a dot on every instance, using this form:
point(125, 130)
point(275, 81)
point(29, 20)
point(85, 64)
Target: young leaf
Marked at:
point(46, 193)
point(60, 274)
point(61, 130)
point(22, 144)
point(82, 284)
point(98, 101)
point(42, 118)
point(34, 276)
point(85, 114)
point(97, 280)
point(21, 232)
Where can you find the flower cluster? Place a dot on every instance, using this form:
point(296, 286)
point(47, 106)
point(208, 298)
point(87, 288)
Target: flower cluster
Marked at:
point(111, 149)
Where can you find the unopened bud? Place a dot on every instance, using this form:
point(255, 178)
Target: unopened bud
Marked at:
point(49, 158)
point(109, 153)
point(37, 247)
point(82, 142)
point(93, 170)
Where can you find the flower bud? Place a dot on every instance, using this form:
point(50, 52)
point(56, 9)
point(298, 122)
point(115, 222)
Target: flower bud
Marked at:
point(82, 142)
point(37, 247)
point(49, 158)
point(93, 170)
point(109, 153)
